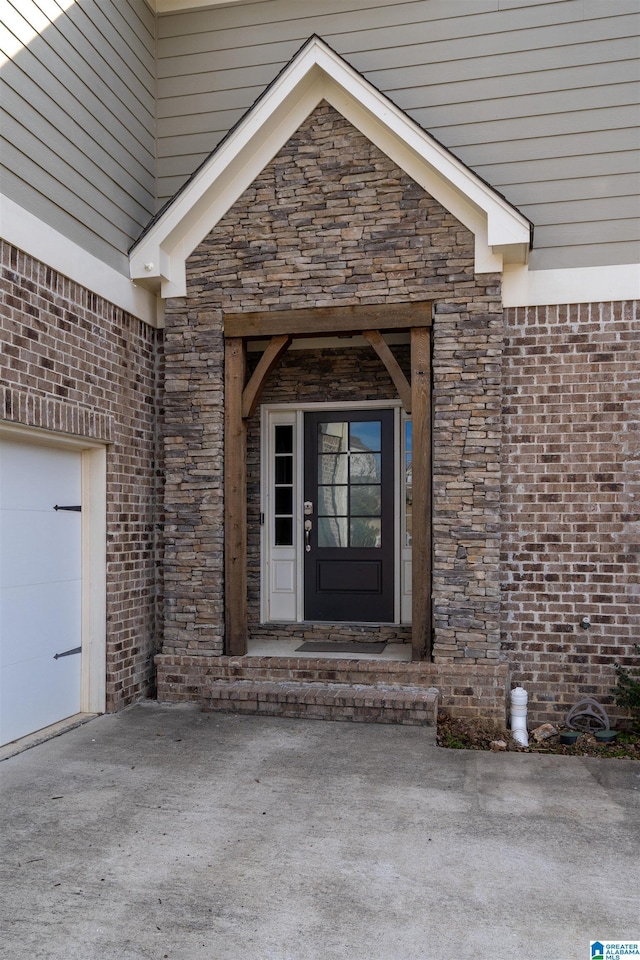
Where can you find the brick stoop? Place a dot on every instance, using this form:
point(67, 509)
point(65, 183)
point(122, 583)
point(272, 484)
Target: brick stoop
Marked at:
point(367, 703)
point(374, 691)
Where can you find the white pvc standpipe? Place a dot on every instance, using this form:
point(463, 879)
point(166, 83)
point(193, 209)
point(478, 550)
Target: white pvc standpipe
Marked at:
point(519, 716)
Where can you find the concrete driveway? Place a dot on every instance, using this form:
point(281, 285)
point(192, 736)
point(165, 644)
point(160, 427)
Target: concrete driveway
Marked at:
point(165, 833)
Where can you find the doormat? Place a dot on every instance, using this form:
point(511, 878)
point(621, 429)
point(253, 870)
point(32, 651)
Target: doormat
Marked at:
point(340, 646)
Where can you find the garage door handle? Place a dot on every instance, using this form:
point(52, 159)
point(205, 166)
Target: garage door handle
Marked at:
point(77, 509)
point(67, 653)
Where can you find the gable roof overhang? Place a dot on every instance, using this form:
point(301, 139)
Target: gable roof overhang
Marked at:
point(157, 260)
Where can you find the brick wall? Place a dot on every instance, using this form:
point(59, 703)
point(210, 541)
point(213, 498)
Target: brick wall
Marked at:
point(571, 499)
point(332, 221)
point(75, 364)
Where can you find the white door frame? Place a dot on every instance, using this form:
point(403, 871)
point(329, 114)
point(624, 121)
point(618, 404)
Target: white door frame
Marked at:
point(274, 560)
point(94, 554)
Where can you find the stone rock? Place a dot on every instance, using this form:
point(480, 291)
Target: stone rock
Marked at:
point(544, 732)
point(497, 745)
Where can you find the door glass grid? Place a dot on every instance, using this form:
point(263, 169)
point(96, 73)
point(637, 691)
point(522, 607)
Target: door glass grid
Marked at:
point(283, 487)
point(349, 484)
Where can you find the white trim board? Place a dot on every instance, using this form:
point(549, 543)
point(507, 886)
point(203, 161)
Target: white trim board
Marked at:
point(42, 242)
point(183, 6)
point(522, 287)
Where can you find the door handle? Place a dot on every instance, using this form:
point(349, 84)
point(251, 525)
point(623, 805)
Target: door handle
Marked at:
point(307, 534)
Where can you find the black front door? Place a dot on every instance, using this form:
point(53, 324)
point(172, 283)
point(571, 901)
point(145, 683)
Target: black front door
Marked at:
point(349, 511)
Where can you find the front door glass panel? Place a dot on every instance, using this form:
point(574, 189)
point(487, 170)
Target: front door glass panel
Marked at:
point(349, 484)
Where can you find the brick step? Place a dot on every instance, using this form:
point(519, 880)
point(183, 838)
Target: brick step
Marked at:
point(359, 672)
point(464, 689)
point(366, 703)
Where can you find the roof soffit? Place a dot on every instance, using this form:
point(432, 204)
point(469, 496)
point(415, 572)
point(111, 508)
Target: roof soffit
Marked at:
point(317, 73)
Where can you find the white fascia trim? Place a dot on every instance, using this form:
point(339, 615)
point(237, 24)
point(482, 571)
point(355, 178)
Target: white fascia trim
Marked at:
point(42, 242)
point(231, 181)
point(162, 252)
point(183, 6)
point(316, 74)
point(94, 580)
point(534, 288)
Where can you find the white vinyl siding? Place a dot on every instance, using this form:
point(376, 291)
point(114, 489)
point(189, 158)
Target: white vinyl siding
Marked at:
point(78, 145)
point(539, 99)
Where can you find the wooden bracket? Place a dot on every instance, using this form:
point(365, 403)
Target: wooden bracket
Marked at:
point(402, 385)
point(251, 393)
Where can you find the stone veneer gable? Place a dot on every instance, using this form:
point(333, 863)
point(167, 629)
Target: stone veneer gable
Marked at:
point(332, 221)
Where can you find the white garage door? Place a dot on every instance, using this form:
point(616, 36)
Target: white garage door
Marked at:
point(40, 587)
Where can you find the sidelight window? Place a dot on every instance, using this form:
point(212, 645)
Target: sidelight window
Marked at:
point(408, 485)
point(283, 486)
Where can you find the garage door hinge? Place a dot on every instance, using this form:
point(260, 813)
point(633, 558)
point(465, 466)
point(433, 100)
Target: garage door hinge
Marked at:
point(67, 653)
point(77, 509)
